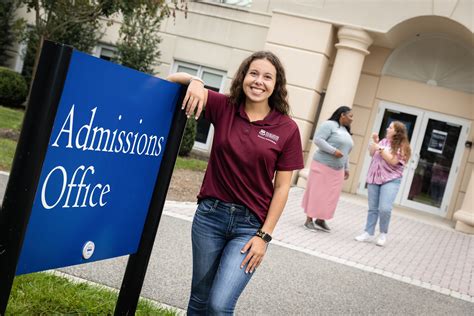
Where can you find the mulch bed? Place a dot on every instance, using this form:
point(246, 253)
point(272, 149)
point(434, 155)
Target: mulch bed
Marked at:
point(9, 134)
point(185, 185)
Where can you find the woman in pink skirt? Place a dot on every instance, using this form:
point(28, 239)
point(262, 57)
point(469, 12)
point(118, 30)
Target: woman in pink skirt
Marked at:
point(329, 168)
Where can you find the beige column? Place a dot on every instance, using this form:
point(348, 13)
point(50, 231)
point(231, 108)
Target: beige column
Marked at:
point(465, 216)
point(342, 86)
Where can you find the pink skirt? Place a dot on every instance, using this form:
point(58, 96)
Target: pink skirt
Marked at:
point(322, 191)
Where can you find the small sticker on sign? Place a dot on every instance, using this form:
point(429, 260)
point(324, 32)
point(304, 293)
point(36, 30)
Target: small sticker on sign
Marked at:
point(88, 250)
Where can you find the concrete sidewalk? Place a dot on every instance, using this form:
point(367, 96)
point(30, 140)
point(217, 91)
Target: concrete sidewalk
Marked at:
point(424, 251)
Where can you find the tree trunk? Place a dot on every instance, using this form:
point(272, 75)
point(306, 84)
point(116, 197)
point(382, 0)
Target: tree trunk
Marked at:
point(33, 71)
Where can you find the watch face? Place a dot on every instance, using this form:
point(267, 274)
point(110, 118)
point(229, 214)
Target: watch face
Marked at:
point(267, 237)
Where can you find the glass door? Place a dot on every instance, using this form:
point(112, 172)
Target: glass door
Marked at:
point(435, 163)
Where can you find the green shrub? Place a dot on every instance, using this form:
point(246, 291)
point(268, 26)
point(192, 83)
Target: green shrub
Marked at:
point(13, 88)
point(188, 138)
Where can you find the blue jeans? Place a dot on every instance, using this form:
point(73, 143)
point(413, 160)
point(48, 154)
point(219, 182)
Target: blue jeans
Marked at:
point(219, 232)
point(381, 197)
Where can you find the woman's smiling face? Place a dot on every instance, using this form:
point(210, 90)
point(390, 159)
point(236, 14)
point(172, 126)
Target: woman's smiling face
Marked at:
point(259, 81)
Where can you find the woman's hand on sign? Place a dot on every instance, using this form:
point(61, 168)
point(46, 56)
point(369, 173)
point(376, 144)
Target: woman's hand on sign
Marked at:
point(196, 94)
point(255, 249)
point(196, 97)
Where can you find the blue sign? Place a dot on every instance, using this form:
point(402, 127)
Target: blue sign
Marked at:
point(100, 169)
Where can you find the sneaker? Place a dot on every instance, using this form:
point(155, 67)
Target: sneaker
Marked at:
point(321, 225)
point(310, 226)
point(365, 237)
point(381, 240)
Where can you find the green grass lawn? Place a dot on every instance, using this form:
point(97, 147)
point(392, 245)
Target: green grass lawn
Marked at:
point(7, 151)
point(47, 294)
point(11, 118)
point(190, 164)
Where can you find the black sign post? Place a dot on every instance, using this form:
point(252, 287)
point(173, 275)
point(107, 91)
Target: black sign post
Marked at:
point(32, 145)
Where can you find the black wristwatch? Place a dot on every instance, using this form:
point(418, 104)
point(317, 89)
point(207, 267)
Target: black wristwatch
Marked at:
point(266, 237)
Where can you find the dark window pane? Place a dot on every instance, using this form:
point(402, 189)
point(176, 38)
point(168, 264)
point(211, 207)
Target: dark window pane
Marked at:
point(436, 157)
point(391, 115)
point(203, 125)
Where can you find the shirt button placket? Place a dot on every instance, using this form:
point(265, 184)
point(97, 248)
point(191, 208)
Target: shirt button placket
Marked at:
point(246, 132)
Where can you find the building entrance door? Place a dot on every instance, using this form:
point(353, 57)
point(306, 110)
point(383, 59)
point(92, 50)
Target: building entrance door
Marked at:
point(437, 143)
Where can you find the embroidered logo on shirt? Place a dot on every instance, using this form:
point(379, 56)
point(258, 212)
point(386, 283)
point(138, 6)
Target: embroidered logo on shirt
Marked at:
point(263, 134)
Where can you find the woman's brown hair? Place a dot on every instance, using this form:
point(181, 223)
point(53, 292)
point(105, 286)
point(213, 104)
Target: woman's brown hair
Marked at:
point(400, 140)
point(279, 98)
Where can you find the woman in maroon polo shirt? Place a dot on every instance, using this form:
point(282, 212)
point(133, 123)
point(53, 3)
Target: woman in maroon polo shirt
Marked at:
point(255, 149)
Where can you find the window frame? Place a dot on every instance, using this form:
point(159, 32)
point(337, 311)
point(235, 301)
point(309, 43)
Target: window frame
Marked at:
point(97, 51)
point(200, 70)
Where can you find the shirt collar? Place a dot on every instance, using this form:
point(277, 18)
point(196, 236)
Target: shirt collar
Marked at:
point(272, 118)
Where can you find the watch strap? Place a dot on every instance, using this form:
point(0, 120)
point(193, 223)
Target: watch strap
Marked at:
point(266, 237)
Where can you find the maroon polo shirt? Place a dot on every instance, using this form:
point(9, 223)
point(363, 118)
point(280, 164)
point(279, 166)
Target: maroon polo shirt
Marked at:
point(245, 155)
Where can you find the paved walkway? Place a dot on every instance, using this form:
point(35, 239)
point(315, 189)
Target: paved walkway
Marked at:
point(419, 251)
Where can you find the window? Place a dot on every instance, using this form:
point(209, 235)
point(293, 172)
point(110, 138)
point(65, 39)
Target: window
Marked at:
point(25, 56)
point(20, 57)
point(104, 51)
point(436, 60)
point(240, 3)
point(214, 80)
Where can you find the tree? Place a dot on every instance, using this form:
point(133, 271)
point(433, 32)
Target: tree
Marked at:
point(9, 28)
point(139, 40)
point(72, 22)
point(77, 22)
point(189, 136)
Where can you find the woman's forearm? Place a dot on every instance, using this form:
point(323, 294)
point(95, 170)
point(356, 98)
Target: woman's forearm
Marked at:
point(280, 196)
point(277, 205)
point(389, 157)
point(324, 145)
point(180, 77)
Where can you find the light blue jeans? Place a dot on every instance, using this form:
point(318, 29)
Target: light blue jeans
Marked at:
point(219, 232)
point(381, 197)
